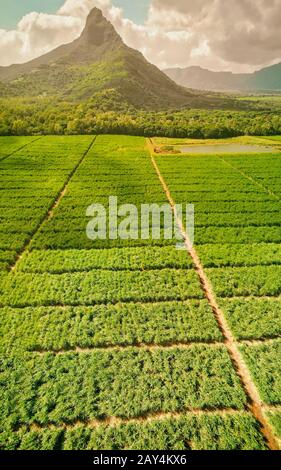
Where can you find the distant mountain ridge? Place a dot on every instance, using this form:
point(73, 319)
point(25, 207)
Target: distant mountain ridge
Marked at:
point(267, 79)
point(97, 62)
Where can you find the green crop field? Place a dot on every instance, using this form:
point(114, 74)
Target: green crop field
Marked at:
point(131, 343)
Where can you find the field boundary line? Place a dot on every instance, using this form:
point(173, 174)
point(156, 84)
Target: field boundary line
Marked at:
point(120, 347)
point(102, 302)
point(128, 302)
point(272, 265)
point(259, 342)
point(114, 421)
point(252, 297)
point(153, 346)
point(49, 212)
point(250, 178)
point(114, 270)
point(20, 148)
point(105, 304)
point(249, 297)
point(136, 270)
point(273, 408)
point(239, 266)
point(254, 400)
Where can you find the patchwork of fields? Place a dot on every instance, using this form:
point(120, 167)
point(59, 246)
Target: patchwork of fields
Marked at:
point(132, 344)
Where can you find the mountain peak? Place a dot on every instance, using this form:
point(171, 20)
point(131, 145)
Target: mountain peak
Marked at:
point(98, 30)
point(98, 61)
point(95, 12)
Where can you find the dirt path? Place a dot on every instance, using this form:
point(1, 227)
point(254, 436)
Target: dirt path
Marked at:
point(114, 421)
point(125, 347)
point(255, 404)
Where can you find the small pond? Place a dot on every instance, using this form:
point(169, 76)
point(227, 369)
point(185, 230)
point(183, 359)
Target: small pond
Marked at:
point(227, 148)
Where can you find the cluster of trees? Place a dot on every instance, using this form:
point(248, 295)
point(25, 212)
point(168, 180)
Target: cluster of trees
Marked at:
point(105, 114)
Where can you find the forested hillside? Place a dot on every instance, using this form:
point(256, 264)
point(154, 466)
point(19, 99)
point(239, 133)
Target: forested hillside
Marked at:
point(40, 116)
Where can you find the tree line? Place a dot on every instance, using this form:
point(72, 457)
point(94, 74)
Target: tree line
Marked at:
point(21, 116)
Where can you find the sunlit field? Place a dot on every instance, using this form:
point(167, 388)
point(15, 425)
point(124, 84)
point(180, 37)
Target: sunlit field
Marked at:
point(133, 344)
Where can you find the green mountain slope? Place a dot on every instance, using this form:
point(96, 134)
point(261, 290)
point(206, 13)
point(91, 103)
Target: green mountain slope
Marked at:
point(96, 62)
point(267, 79)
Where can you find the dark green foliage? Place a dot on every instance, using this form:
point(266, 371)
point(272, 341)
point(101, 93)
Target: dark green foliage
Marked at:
point(256, 281)
point(253, 318)
point(264, 361)
point(124, 324)
point(186, 433)
point(78, 240)
point(232, 255)
point(120, 259)
point(129, 383)
point(107, 113)
point(214, 432)
point(241, 235)
point(91, 288)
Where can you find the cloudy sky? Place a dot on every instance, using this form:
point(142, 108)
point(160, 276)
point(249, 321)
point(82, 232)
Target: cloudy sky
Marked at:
point(236, 35)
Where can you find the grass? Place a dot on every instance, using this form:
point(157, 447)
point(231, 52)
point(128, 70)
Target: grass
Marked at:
point(75, 387)
point(89, 288)
point(253, 318)
point(108, 329)
point(264, 363)
point(39, 168)
point(65, 328)
point(8, 145)
point(231, 255)
point(121, 259)
point(256, 281)
point(239, 432)
point(275, 420)
point(163, 142)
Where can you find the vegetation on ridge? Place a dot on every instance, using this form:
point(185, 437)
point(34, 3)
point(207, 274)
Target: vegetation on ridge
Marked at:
point(106, 112)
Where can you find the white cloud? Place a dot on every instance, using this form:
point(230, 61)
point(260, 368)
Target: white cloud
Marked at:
point(241, 36)
point(43, 32)
point(38, 33)
point(11, 45)
point(81, 8)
